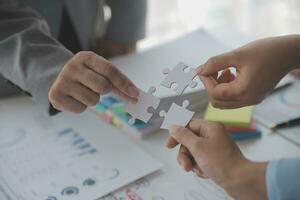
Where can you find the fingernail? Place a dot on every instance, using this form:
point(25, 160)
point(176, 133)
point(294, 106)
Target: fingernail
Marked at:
point(195, 170)
point(134, 101)
point(180, 162)
point(200, 70)
point(133, 91)
point(173, 129)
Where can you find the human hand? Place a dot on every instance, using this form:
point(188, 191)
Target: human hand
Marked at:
point(210, 149)
point(260, 65)
point(296, 73)
point(84, 78)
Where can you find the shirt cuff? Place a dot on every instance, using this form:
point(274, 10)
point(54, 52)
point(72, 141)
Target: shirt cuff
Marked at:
point(42, 85)
point(283, 179)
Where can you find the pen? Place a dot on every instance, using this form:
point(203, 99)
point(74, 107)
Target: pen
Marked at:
point(290, 123)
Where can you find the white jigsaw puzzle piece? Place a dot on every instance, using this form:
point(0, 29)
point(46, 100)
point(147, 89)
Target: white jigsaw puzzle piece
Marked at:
point(140, 110)
point(176, 115)
point(181, 78)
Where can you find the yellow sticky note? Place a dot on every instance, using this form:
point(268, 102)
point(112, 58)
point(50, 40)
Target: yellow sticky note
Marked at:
point(237, 117)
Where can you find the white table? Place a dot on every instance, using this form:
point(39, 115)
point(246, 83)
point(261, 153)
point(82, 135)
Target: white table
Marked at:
point(171, 182)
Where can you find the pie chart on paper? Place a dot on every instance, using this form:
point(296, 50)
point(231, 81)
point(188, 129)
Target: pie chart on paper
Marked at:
point(10, 137)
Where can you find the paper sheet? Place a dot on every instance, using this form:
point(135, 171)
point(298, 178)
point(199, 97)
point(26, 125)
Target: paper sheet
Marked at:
point(66, 157)
point(280, 107)
point(170, 184)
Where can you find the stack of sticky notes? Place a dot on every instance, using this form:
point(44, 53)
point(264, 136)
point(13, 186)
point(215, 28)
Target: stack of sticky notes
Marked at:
point(111, 110)
point(237, 121)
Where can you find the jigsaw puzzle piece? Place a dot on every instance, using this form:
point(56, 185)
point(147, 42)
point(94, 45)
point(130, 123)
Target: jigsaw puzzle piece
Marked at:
point(144, 108)
point(177, 115)
point(169, 79)
point(181, 78)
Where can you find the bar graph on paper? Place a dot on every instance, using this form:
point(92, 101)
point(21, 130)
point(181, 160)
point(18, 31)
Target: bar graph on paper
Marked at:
point(29, 159)
point(74, 144)
point(69, 161)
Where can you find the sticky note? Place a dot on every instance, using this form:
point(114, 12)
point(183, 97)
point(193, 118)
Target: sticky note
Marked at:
point(245, 135)
point(236, 117)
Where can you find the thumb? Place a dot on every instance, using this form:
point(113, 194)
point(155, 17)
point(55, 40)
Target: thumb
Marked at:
point(217, 63)
point(185, 137)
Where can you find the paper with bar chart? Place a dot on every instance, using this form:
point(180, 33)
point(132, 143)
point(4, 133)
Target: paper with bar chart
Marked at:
point(78, 158)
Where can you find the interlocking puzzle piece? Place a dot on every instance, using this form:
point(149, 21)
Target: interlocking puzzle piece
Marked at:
point(176, 115)
point(144, 108)
point(180, 77)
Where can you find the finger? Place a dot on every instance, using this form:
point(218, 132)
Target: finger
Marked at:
point(110, 72)
point(209, 83)
point(84, 95)
point(217, 63)
point(225, 76)
point(124, 96)
point(171, 143)
point(95, 82)
point(199, 172)
point(227, 91)
point(69, 104)
point(199, 127)
point(215, 76)
point(185, 159)
point(195, 125)
point(225, 104)
point(222, 91)
point(185, 137)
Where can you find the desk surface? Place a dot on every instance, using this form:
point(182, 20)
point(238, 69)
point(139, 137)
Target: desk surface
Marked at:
point(172, 182)
point(172, 177)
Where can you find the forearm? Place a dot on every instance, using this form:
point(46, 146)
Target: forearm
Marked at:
point(30, 57)
point(290, 47)
point(283, 179)
point(261, 180)
point(248, 181)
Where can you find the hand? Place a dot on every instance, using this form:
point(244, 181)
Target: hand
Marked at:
point(84, 78)
point(260, 65)
point(211, 150)
point(296, 73)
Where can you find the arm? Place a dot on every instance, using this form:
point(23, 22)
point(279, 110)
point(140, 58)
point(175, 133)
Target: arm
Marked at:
point(241, 178)
point(30, 57)
point(260, 65)
point(208, 150)
point(283, 179)
point(36, 62)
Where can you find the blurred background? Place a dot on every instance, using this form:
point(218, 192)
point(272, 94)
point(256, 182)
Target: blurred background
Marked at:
point(168, 19)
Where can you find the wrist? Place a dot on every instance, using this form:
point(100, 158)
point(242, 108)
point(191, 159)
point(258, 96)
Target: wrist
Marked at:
point(247, 180)
point(292, 50)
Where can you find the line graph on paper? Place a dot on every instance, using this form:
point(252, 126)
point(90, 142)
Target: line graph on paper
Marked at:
point(279, 107)
point(291, 98)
